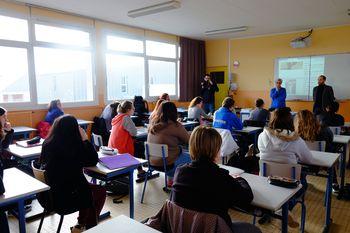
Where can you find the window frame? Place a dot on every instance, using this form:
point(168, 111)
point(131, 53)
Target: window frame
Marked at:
point(146, 59)
point(32, 20)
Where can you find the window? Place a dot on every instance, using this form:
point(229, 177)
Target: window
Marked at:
point(124, 44)
point(160, 49)
point(63, 74)
point(61, 35)
point(125, 76)
point(162, 77)
point(14, 77)
point(13, 29)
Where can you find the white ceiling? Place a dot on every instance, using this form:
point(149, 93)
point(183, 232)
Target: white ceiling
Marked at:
point(197, 16)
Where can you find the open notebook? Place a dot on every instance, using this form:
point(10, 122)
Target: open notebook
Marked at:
point(118, 161)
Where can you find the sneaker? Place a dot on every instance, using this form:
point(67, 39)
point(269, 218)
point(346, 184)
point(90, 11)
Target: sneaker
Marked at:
point(77, 229)
point(335, 188)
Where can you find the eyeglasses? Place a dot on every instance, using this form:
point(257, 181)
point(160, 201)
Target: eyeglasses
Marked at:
point(278, 83)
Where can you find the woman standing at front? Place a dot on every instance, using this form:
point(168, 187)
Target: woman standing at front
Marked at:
point(278, 96)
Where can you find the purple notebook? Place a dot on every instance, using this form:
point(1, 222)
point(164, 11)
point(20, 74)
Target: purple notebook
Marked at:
point(118, 161)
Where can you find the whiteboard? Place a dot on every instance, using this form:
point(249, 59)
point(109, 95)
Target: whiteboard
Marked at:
point(300, 74)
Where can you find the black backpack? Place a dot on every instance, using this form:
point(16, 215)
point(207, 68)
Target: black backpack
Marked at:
point(99, 128)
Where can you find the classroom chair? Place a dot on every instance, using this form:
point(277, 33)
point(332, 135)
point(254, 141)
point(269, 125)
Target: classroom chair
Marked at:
point(335, 130)
point(228, 145)
point(97, 140)
point(316, 145)
point(45, 200)
point(178, 219)
point(157, 151)
point(292, 171)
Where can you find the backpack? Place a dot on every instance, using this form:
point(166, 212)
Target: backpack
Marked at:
point(43, 129)
point(99, 128)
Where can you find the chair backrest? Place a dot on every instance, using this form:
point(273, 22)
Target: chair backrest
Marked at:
point(156, 150)
point(268, 168)
point(254, 123)
point(97, 139)
point(228, 145)
point(335, 130)
point(316, 145)
point(178, 219)
point(38, 173)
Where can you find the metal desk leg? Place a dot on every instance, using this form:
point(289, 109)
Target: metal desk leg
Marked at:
point(285, 218)
point(328, 220)
point(342, 171)
point(21, 216)
point(131, 193)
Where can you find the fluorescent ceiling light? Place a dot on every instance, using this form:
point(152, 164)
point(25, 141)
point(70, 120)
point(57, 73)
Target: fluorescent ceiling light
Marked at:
point(148, 10)
point(226, 30)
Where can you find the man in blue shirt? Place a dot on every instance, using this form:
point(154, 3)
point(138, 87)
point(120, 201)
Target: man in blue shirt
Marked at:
point(278, 95)
point(224, 118)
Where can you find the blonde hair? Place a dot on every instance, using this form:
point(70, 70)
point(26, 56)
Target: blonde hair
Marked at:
point(195, 101)
point(306, 125)
point(204, 142)
point(125, 106)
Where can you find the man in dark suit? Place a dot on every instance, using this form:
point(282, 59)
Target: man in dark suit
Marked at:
point(323, 95)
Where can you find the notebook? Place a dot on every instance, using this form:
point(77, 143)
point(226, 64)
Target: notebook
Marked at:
point(118, 161)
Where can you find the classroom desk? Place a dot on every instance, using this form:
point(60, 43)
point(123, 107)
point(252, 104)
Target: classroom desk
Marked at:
point(326, 160)
point(270, 197)
point(23, 131)
point(24, 154)
point(232, 170)
point(344, 140)
point(123, 224)
point(18, 193)
point(101, 172)
point(84, 124)
point(249, 130)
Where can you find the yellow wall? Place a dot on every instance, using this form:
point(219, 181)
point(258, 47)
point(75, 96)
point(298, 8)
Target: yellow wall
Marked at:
point(33, 117)
point(255, 73)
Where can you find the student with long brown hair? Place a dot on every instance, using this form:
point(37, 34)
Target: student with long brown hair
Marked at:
point(195, 109)
point(156, 108)
point(165, 129)
point(310, 129)
point(203, 186)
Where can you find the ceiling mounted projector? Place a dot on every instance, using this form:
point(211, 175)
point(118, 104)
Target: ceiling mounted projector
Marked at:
point(153, 9)
point(302, 42)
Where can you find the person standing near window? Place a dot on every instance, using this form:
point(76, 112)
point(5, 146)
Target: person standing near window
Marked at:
point(323, 96)
point(209, 87)
point(278, 96)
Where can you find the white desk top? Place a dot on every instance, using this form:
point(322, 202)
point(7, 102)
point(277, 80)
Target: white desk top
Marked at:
point(142, 132)
point(22, 153)
point(99, 168)
point(268, 196)
point(342, 139)
point(18, 184)
point(23, 129)
point(324, 159)
point(84, 122)
point(232, 170)
point(248, 129)
point(121, 224)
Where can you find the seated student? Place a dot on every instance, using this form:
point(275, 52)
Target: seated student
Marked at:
point(109, 113)
point(195, 109)
point(205, 187)
point(165, 129)
point(141, 106)
point(65, 152)
point(156, 108)
point(330, 117)
point(225, 118)
point(309, 128)
point(55, 110)
point(123, 129)
point(6, 135)
point(281, 144)
point(259, 113)
point(164, 96)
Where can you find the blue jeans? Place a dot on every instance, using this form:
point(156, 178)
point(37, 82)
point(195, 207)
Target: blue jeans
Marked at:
point(183, 158)
point(209, 107)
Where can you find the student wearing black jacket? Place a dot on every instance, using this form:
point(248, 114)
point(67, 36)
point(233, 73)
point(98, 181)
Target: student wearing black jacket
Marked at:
point(6, 135)
point(65, 152)
point(203, 186)
point(330, 117)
